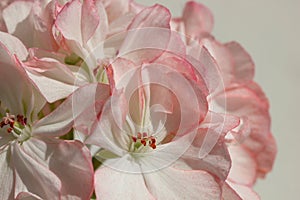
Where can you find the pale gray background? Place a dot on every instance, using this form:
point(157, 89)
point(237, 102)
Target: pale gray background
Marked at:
point(270, 31)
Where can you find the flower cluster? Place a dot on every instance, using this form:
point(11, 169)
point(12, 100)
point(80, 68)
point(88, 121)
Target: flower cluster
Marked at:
point(110, 99)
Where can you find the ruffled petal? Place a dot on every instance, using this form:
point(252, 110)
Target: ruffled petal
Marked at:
point(148, 35)
point(197, 19)
point(243, 169)
point(250, 102)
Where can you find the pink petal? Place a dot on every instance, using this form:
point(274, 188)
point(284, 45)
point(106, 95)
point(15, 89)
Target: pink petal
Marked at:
point(249, 101)
point(70, 161)
point(235, 63)
point(206, 68)
point(27, 196)
point(171, 183)
point(68, 21)
point(148, 35)
point(17, 91)
point(13, 46)
point(6, 173)
point(197, 19)
point(243, 63)
point(216, 161)
point(61, 120)
point(34, 177)
point(113, 185)
point(47, 71)
point(228, 193)
point(244, 192)
point(116, 9)
point(243, 169)
point(155, 16)
point(30, 22)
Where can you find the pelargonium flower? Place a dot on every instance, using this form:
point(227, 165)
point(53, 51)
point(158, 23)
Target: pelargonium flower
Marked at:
point(81, 31)
point(152, 130)
point(253, 156)
point(34, 163)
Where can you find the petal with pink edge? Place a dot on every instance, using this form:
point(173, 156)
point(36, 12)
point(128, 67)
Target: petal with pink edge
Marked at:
point(197, 19)
point(243, 169)
point(113, 185)
point(18, 93)
point(31, 176)
point(76, 106)
point(171, 183)
point(69, 161)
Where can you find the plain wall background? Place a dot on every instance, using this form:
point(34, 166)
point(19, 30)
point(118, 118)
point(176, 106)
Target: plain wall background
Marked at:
point(270, 31)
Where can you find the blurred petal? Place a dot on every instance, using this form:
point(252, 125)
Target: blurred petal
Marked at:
point(243, 169)
point(244, 192)
point(197, 19)
point(27, 196)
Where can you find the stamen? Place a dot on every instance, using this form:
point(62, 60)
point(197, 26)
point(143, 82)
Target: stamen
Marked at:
point(143, 139)
point(15, 126)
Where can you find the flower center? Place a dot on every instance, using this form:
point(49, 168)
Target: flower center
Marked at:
point(16, 126)
point(142, 142)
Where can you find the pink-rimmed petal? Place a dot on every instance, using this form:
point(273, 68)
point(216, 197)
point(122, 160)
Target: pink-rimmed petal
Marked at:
point(197, 19)
point(228, 193)
point(70, 161)
point(34, 177)
point(243, 169)
point(171, 183)
point(61, 120)
point(13, 46)
point(31, 22)
point(217, 161)
point(250, 102)
point(113, 185)
point(27, 196)
point(148, 35)
point(243, 63)
point(47, 71)
point(18, 93)
point(206, 67)
point(243, 192)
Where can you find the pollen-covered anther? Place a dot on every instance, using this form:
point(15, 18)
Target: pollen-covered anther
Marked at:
point(143, 139)
point(16, 123)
